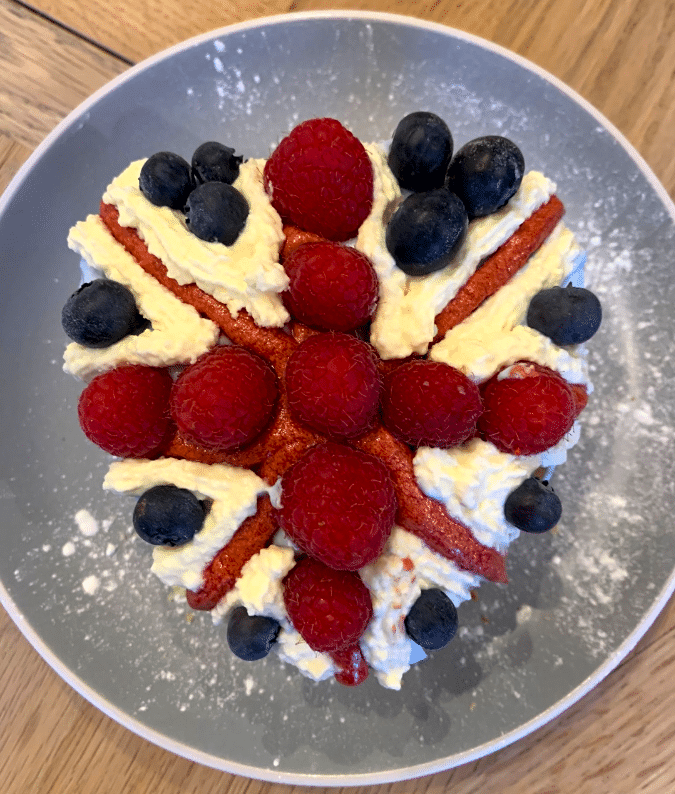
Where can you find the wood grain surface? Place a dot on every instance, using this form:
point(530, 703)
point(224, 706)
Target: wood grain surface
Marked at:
point(619, 55)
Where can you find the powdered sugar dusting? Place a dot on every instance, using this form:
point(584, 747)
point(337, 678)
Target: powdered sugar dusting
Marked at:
point(90, 584)
point(86, 523)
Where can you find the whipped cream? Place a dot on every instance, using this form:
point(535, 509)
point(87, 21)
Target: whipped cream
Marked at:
point(395, 580)
point(245, 275)
point(234, 493)
point(494, 336)
point(404, 321)
point(474, 479)
point(178, 335)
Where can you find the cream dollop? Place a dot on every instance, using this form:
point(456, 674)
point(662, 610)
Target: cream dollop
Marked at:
point(404, 321)
point(245, 275)
point(178, 335)
point(395, 580)
point(494, 335)
point(234, 493)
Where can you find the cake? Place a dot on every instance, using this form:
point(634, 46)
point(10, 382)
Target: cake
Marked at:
point(336, 380)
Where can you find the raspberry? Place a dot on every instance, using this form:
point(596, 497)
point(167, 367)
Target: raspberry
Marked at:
point(334, 385)
point(338, 504)
point(430, 403)
point(125, 411)
point(332, 287)
point(352, 666)
point(320, 178)
point(225, 398)
point(528, 408)
point(329, 608)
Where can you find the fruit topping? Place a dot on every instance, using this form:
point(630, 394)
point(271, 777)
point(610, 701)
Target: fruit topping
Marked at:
point(352, 667)
point(420, 151)
point(432, 620)
point(125, 411)
point(330, 609)
point(332, 287)
point(566, 315)
point(320, 178)
point(485, 173)
point(101, 313)
point(216, 212)
point(333, 384)
point(166, 180)
point(214, 162)
point(225, 399)
point(533, 506)
point(338, 504)
point(528, 409)
point(428, 403)
point(251, 637)
point(166, 515)
point(426, 231)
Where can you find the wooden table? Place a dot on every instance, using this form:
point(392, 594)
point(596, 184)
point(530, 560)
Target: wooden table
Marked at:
point(620, 55)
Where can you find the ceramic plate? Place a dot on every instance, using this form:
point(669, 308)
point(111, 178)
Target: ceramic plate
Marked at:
point(78, 584)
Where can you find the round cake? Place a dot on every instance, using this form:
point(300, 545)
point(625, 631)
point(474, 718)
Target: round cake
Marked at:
point(336, 381)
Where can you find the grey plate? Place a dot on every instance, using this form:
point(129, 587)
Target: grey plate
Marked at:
point(578, 600)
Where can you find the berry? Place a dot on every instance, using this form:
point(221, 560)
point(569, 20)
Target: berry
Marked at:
point(528, 408)
point(533, 506)
point(225, 399)
point(251, 637)
point(485, 173)
point(428, 403)
point(167, 515)
point(566, 315)
point(216, 212)
point(332, 287)
point(213, 162)
point(101, 313)
point(426, 231)
point(432, 620)
point(330, 609)
point(421, 151)
point(338, 504)
point(166, 180)
point(333, 384)
point(320, 178)
point(352, 666)
point(125, 411)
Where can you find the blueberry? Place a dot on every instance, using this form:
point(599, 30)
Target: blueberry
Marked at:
point(213, 162)
point(168, 516)
point(567, 315)
point(485, 173)
point(251, 637)
point(432, 620)
point(101, 313)
point(166, 180)
point(533, 506)
point(421, 151)
point(426, 231)
point(216, 212)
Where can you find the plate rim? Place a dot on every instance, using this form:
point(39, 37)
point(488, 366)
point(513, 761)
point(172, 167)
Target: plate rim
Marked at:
point(364, 778)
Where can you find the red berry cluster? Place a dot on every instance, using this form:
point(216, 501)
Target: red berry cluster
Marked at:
point(222, 401)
